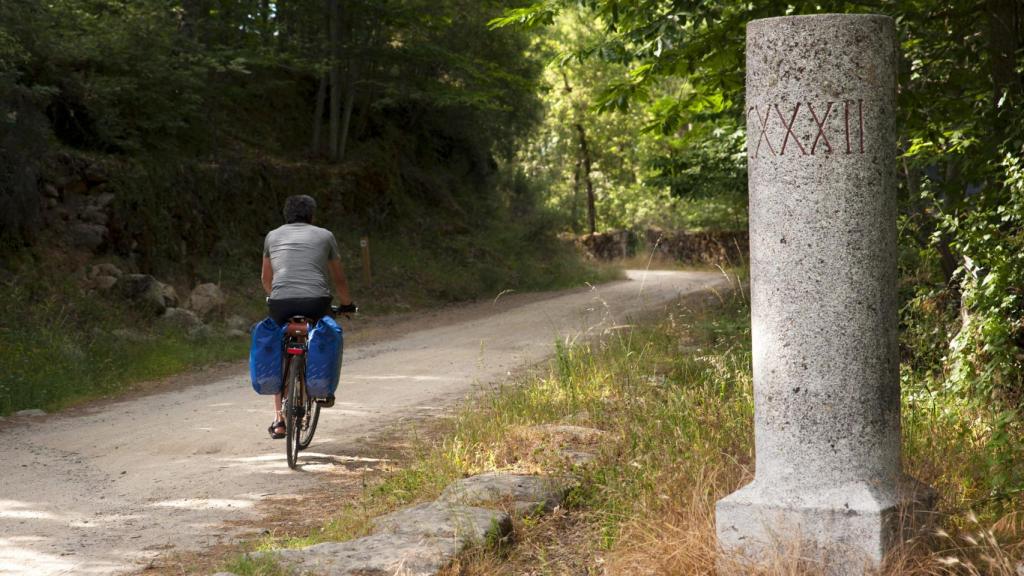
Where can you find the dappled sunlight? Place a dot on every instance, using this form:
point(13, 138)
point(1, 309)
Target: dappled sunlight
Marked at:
point(14, 509)
point(205, 503)
point(16, 559)
point(17, 556)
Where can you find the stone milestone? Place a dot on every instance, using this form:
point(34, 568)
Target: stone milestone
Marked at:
point(821, 98)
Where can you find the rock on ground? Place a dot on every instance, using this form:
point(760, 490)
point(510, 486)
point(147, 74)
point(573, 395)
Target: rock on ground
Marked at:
point(30, 412)
point(103, 283)
point(444, 520)
point(527, 494)
point(105, 269)
point(86, 235)
point(570, 433)
point(376, 555)
point(236, 322)
point(181, 318)
point(148, 291)
point(205, 299)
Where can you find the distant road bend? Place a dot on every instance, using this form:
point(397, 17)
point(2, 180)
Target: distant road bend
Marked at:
point(106, 489)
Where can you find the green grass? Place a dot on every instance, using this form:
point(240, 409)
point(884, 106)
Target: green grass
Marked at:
point(57, 340)
point(256, 566)
point(676, 399)
point(66, 350)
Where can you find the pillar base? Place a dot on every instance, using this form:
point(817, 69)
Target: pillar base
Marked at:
point(846, 529)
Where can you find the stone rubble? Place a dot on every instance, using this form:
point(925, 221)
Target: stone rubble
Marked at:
point(422, 539)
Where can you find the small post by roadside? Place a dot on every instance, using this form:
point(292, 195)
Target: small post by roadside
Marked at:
point(364, 243)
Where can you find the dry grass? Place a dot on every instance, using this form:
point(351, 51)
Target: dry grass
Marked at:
point(675, 404)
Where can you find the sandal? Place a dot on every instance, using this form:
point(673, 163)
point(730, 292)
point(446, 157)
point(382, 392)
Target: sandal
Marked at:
point(273, 430)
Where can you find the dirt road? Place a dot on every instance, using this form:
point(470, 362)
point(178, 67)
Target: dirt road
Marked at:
point(106, 489)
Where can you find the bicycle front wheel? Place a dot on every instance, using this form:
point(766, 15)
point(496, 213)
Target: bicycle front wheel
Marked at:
point(294, 410)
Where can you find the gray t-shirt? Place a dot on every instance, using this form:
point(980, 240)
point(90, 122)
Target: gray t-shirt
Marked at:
point(298, 256)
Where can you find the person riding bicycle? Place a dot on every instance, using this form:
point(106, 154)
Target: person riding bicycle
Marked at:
point(300, 261)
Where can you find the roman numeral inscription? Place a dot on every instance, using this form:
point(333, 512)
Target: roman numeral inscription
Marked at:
point(808, 128)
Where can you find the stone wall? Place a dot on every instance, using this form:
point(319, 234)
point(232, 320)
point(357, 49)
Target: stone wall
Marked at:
point(725, 248)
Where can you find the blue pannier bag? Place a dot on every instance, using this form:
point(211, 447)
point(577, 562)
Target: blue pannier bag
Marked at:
point(323, 358)
point(265, 357)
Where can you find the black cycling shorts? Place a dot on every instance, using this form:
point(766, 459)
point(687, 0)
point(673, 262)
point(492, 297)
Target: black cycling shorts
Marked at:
point(312, 308)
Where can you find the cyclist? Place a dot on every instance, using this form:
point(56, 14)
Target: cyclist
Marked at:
point(300, 262)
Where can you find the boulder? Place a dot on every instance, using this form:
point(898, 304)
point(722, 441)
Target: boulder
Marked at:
point(104, 282)
point(86, 235)
point(206, 299)
point(102, 200)
point(105, 269)
point(147, 291)
point(236, 322)
point(30, 412)
point(170, 295)
point(199, 332)
point(95, 174)
point(181, 318)
point(94, 215)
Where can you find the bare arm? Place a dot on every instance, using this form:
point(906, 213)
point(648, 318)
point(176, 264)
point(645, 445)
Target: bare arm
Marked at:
point(267, 276)
point(340, 281)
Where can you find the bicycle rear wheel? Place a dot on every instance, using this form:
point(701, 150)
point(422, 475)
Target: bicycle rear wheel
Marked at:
point(294, 409)
point(309, 423)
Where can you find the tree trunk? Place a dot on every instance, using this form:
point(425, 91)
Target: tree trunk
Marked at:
point(318, 115)
point(192, 13)
point(265, 19)
point(346, 118)
point(1003, 22)
point(585, 156)
point(335, 40)
point(575, 206)
point(352, 74)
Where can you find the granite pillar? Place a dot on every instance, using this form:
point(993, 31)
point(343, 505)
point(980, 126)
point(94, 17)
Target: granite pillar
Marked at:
point(821, 99)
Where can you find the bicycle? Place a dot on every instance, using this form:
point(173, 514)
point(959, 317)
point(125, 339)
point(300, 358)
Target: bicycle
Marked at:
point(301, 411)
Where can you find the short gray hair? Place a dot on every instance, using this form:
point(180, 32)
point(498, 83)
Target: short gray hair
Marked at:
point(299, 208)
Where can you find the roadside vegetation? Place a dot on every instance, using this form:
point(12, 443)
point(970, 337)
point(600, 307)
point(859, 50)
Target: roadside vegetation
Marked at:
point(163, 137)
point(674, 397)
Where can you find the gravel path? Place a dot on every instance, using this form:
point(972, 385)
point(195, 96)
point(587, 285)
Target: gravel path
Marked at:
point(108, 488)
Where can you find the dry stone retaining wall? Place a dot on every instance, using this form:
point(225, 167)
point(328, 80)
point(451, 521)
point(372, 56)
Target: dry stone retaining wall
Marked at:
point(719, 248)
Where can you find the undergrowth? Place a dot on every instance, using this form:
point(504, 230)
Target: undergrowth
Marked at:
point(62, 343)
point(676, 401)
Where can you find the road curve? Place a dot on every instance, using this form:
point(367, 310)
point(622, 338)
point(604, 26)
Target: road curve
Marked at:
point(104, 490)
